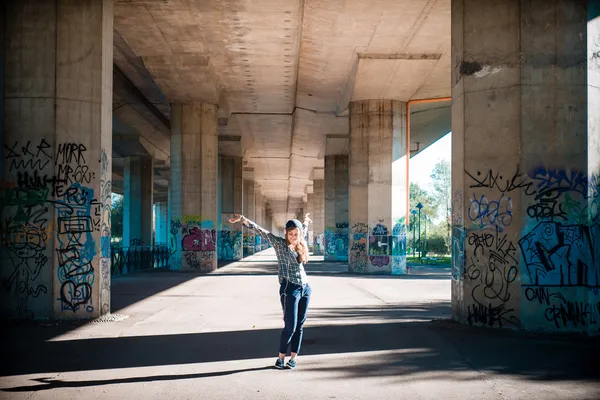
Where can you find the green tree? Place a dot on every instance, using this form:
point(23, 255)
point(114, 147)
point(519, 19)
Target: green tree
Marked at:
point(418, 195)
point(442, 191)
point(116, 218)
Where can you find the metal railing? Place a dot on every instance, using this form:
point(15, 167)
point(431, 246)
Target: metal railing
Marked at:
point(125, 260)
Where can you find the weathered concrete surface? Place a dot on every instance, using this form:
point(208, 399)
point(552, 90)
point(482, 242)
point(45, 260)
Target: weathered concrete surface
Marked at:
point(57, 152)
point(215, 337)
point(526, 232)
point(284, 72)
point(193, 187)
point(378, 175)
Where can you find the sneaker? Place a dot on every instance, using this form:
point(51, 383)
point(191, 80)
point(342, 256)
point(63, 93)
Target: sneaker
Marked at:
point(279, 363)
point(291, 364)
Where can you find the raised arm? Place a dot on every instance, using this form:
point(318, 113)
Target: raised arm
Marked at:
point(307, 221)
point(262, 232)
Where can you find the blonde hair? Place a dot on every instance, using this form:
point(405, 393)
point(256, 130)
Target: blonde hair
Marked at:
point(301, 247)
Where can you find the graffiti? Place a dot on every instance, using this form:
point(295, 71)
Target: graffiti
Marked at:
point(199, 240)
point(481, 241)
point(257, 243)
point(249, 243)
point(341, 225)
point(458, 252)
point(27, 157)
point(490, 315)
point(557, 254)
point(491, 273)
point(379, 248)
point(78, 216)
point(398, 250)
point(559, 247)
point(486, 213)
point(76, 248)
point(358, 251)
point(230, 245)
point(191, 259)
point(26, 244)
point(207, 260)
point(561, 312)
point(336, 242)
point(136, 242)
point(197, 220)
point(319, 244)
point(540, 182)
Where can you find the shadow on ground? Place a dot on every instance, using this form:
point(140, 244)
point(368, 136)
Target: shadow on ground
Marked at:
point(130, 289)
point(417, 346)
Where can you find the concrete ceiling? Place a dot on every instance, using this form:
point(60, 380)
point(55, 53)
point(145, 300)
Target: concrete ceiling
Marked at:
point(283, 73)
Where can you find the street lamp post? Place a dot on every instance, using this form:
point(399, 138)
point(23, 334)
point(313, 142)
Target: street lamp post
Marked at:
point(414, 244)
point(425, 234)
point(419, 206)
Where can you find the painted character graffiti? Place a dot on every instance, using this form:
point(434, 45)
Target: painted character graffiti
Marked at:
point(26, 244)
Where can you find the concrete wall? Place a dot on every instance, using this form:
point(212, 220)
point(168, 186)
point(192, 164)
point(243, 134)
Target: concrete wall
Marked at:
point(56, 182)
point(336, 208)
point(231, 187)
point(526, 238)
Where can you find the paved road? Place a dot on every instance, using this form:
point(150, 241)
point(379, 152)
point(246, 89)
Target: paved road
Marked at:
point(189, 336)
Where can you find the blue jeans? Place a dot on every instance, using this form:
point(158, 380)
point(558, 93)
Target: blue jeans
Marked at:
point(294, 301)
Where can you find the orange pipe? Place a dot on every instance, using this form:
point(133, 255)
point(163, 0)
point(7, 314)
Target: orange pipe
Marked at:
point(408, 103)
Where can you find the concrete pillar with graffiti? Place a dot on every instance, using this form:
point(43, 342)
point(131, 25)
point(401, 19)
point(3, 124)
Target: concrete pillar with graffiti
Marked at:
point(336, 207)
point(231, 187)
point(249, 212)
point(57, 153)
point(377, 187)
point(318, 215)
point(193, 187)
point(526, 161)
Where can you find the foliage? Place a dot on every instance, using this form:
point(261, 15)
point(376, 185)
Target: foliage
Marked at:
point(437, 245)
point(419, 195)
point(442, 186)
point(116, 219)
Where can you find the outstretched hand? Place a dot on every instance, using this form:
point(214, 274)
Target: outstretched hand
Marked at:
point(307, 219)
point(236, 218)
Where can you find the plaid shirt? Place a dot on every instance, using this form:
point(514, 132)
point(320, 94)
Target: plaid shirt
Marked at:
point(289, 267)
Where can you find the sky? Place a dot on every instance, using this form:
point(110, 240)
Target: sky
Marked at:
point(422, 164)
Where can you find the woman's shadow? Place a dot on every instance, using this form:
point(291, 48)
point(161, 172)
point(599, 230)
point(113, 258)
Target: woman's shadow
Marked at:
point(51, 383)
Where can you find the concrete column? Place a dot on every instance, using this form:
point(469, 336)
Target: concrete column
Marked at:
point(57, 155)
point(161, 210)
point(525, 122)
point(249, 212)
point(231, 186)
point(336, 208)
point(319, 217)
point(138, 188)
point(193, 187)
point(259, 216)
point(310, 210)
point(378, 186)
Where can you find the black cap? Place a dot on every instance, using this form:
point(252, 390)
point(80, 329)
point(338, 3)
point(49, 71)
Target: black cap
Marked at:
point(293, 223)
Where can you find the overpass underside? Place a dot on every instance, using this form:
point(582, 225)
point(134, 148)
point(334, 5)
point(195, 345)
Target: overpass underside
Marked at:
point(201, 109)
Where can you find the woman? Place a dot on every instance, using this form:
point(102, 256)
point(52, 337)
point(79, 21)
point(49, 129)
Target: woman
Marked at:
point(294, 290)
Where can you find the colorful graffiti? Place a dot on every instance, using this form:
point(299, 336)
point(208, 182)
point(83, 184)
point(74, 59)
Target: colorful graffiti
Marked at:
point(336, 242)
point(358, 249)
point(53, 199)
point(398, 251)
point(379, 246)
point(554, 262)
point(230, 245)
point(319, 244)
point(198, 244)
